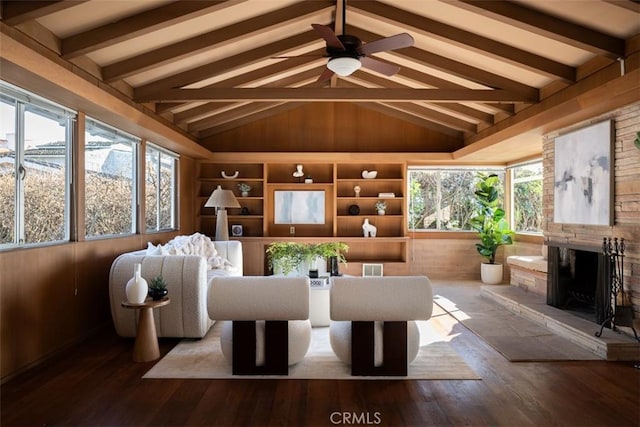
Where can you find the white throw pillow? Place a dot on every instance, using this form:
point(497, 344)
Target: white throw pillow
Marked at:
point(154, 250)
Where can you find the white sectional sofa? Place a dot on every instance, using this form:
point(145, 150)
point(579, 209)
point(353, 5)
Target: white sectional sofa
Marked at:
point(187, 279)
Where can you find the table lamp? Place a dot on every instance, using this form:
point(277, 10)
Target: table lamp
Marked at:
point(222, 199)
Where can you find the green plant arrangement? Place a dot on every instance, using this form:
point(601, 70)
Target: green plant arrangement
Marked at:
point(244, 187)
point(285, 256)
point(489, 219)
point(158, 288)
point(327, 250)
point(381, 205)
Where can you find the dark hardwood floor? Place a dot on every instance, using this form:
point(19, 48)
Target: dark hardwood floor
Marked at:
point(96, 383)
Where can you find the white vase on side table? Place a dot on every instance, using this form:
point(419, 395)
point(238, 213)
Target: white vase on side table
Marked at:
point(137, 288)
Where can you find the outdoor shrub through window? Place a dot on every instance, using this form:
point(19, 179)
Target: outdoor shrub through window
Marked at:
point(443, 199)
point(160, 189)
point(110, 171)
point(35, 147)
point(526, 191)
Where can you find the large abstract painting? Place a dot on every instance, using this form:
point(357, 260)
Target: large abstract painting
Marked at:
point(299, 207)
point(583, 180)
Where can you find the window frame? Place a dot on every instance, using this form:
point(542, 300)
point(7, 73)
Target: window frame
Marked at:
point(486, 168)
point(24, 102)
point(513, 181)
point(174, 184)
point(135, 178)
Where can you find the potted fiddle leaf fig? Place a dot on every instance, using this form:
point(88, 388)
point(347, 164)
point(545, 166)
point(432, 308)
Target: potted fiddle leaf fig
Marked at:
point(492, 226)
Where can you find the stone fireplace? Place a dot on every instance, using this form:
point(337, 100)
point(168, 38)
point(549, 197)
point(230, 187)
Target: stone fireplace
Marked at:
point(578, 281)
point(576, 265)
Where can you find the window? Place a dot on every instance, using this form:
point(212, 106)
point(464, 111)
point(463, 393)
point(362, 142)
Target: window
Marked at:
point(110, 183)
point(35, 147)
point(526, 193)
point(160, 189)
point(442, 199)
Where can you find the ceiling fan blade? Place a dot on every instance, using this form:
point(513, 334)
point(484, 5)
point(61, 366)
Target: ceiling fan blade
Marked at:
point(388, 43)
point(326, 75)
point(329, 36)
point(379, 66)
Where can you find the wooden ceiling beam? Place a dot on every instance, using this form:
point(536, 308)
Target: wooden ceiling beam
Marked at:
point(137, 25)
point(210, 108)
point(246, 79)
point(207, 137)
point(423, 112)
point(18, 12)
point(459, 69)
point(434, 116)
point(242, 110)
point(632, 5)
point(212, 40)
point(411, 118)
point(218, 67)
point(540, 23)
point(465, 39)
point(336, 94)
point(471, 113)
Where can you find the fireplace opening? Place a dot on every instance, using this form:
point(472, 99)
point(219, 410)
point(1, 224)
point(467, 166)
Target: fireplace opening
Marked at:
point(576, 282)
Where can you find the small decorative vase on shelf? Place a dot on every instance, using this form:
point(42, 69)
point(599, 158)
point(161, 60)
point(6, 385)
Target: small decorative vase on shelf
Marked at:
point(245, 194)
point(381, 211)
point(137, 288)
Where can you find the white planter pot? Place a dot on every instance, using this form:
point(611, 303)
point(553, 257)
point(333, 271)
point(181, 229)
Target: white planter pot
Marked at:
point(491, 274)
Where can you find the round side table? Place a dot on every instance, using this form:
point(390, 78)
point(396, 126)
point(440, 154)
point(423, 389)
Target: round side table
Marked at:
point(146, 346)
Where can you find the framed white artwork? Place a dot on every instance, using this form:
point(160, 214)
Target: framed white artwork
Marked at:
point(583, 182)
point(298, 207)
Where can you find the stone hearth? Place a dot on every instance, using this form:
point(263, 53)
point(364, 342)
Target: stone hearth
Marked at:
point(610, 346)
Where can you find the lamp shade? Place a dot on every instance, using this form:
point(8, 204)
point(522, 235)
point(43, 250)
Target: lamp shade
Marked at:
point(221, 198)
point(344, 66)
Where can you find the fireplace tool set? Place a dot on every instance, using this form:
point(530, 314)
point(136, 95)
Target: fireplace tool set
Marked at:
point(619, 311)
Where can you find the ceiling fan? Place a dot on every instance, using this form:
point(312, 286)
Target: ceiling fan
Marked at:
point(347, 53)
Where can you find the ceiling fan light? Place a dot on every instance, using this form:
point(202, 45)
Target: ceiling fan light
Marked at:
point(344, 66)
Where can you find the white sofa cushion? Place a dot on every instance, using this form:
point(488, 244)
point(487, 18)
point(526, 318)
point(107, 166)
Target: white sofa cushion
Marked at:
point(259, 298)
point(390, 298)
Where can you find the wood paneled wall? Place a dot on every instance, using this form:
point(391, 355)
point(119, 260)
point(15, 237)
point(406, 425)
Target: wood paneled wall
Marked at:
point(54, 296)
point(626, 167)
point(332, 127)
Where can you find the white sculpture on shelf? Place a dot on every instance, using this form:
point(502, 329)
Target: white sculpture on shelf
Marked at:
point(369, 230)
point(225, 176)
point(298, 172)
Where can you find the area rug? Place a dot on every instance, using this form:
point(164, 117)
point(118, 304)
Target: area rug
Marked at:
point(191, 358)
point(513, 336)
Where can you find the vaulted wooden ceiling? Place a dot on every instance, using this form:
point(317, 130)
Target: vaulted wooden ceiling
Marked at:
point(210, 66)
